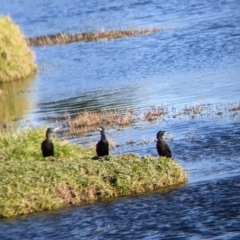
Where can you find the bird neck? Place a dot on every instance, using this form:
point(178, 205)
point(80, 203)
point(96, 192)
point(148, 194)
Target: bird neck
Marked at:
point(103, 137)
point(48, 136)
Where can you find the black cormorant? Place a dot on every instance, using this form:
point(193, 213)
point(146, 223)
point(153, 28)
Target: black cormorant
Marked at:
point(47, 145)
point(162, 147)
point(102, 147)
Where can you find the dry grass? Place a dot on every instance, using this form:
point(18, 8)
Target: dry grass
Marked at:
point(106, 35)
point(193, 110)
point(153, 113)
point(87, 121)
point(236, 108)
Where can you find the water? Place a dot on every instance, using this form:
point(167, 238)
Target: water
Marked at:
point(195, 60)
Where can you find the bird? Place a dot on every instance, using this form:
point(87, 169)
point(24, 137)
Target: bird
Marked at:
point(102, 147)
point(47, 145)
point(162, 147)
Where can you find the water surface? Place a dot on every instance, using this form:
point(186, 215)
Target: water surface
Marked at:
point(195, 60)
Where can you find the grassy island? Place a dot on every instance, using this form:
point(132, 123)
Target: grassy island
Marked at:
point(16, 59)
point(29, 183)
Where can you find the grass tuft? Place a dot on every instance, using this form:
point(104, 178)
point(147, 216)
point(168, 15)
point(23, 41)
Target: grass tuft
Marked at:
point(16, 59)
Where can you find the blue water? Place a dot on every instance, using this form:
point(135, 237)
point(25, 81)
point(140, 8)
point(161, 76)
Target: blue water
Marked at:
point(194, 60)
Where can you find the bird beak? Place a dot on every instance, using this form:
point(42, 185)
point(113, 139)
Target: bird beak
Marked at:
point(99, 129)
point(55, 129)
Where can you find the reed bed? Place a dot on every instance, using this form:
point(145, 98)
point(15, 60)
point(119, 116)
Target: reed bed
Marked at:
point(105, 35)
point(30, 183)
point(87, 121)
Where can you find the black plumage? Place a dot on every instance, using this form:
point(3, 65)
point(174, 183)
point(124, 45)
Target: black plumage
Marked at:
point(47, 145)
point(102, 147)
point(162, 147)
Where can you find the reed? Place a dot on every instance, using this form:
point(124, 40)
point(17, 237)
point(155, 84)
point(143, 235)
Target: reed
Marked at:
point(235, 108)
point(153, 113)
point(16, 59)
point(105, 35)
point(30, 183)
point(87, 121)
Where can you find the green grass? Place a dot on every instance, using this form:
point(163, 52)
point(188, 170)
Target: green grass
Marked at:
point(29, 183)
point(16, 59)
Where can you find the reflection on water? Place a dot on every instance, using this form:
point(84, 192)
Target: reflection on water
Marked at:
point(16, 98)
point(94, 100)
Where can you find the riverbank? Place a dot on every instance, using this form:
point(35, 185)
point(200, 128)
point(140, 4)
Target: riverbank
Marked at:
point(16, 59)
point(31, 183)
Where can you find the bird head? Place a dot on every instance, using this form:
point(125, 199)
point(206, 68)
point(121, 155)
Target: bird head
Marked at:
point(50, 131)
point(102, 132)
point(160, 134)
point(101, 129)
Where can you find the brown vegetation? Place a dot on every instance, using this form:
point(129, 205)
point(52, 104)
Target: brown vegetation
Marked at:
point(106, 35)
point(237, 108)
point(153, 113)
point(87, 121)
point(193, 109)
